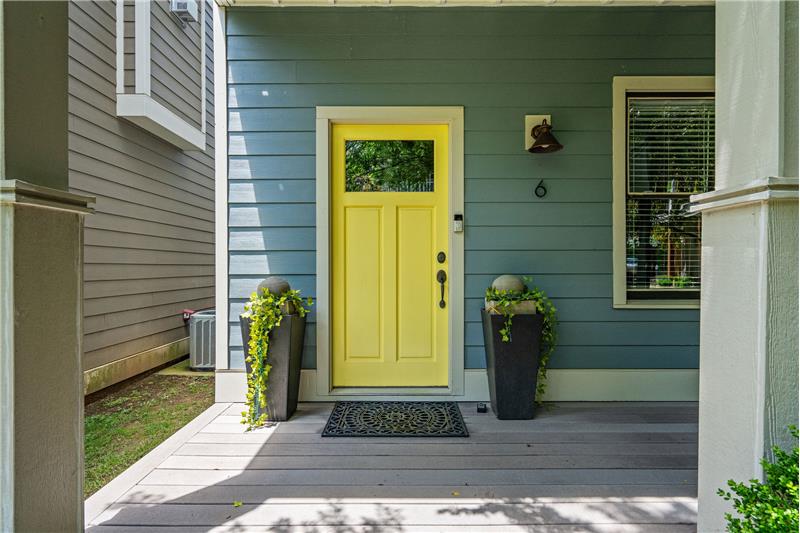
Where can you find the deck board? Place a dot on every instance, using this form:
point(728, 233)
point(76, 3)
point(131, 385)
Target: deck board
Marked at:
point(193, 494)
point(577, 467)
point(495, 426)
point(436, 449)
point(586, 436)
point(166, 476)
point(428, 462)
point(462, 528)
point(394, 514)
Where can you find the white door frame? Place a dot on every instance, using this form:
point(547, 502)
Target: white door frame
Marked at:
point(454, 118)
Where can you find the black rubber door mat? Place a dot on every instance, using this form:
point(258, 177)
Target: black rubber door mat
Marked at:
point(395, 419)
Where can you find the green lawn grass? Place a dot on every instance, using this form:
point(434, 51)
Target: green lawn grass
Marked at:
point(122, 426)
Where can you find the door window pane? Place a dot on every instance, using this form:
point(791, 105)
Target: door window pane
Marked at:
point(388, 166)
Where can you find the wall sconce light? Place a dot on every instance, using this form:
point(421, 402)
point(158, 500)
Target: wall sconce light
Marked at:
point(539, 138)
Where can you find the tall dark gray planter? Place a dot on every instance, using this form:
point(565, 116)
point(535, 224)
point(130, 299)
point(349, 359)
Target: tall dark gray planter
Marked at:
point(512, 367)
point(285, 356)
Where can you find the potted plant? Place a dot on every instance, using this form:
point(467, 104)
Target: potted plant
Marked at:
point(519, 335)
point(273, 327)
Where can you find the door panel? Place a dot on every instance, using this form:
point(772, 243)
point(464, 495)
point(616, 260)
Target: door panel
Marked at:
point(389, 220)
point(415, 312)
point(363, 283)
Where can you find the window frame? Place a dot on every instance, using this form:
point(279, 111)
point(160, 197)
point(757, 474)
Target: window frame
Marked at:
point(622, 85)
point(139, 107)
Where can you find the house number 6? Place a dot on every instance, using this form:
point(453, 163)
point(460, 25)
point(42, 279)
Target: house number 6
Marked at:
point(540, 191)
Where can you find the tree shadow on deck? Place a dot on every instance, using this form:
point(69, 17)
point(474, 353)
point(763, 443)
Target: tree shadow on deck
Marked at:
point(286, 500)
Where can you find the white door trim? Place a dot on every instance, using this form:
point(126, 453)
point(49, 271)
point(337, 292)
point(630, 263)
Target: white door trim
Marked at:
point(454, 118)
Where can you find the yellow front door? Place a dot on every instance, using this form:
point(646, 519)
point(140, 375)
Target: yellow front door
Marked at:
point(389, 229)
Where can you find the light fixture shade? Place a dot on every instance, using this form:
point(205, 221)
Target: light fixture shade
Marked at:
point(544, 140)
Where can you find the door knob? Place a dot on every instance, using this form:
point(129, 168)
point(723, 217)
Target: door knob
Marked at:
point(441, 277)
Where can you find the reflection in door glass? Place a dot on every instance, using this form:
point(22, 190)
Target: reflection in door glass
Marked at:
point(388, 166)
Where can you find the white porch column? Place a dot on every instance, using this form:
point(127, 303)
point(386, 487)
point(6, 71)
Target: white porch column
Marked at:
point(749, 300)
point(41, 258)
point(41, 278)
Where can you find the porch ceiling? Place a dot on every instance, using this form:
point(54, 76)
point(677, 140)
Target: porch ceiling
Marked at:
point(463, 3)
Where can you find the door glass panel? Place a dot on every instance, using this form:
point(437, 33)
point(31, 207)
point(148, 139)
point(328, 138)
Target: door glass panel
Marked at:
point(388, 166)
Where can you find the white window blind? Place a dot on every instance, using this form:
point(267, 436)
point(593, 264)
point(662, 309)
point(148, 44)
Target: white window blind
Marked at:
point(670, 142)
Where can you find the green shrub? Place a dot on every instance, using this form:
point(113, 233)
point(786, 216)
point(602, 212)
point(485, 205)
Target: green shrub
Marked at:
point(771, 506)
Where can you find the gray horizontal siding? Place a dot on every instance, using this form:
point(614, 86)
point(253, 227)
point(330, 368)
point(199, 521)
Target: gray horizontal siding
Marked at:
point(129, 42)
point(175, 57)
point(149, 247)
point(283, 63)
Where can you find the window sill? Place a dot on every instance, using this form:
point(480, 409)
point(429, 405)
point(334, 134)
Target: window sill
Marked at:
point(659, 304)
point(149, 115)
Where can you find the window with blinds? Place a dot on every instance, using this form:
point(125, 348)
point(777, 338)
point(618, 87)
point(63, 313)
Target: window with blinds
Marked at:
point(670, 156)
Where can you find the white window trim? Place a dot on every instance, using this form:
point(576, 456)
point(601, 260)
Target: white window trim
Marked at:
point(621, 86)
point(454, 118)
point(140, 107)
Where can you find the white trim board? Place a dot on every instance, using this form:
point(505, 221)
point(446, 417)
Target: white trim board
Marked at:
point(140, 107)
point(221, 189)
point(150, 115)
point(453, 117)
point(563, 385)
point(6, 349)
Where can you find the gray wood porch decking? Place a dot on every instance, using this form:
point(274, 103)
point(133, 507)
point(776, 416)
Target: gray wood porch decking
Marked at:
point(578, 467)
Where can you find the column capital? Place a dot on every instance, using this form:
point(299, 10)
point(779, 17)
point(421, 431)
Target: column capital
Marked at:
point(23, 193)
point(761, 190)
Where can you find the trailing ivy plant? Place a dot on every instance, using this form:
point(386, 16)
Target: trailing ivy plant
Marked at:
point(768, 506)
point(265, 312)
point(503, 303)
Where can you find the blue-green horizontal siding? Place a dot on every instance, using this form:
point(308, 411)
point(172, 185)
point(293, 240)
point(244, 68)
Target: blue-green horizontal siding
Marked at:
point(271, 215)
point(287, 191)
point(284, 62)
point(272, 239)
point(271, 167)
point(545, 94)
point(661, 356)
point(516, 190)
point(452, 70)
point(469, 22)
point(491, 47)
point(553, 166)
point(475, 142)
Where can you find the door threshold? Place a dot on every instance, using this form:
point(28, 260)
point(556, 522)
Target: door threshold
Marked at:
point(385, 392)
